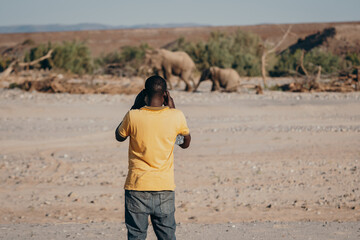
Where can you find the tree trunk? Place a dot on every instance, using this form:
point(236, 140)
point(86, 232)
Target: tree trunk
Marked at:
point(318, 75)
point(302, 63)
point(266, 52)
point(263, 67)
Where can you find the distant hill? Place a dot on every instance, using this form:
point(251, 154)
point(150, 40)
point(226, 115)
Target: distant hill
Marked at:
point(85, 27)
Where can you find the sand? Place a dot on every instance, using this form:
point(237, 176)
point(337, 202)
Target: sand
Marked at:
point(278, 165)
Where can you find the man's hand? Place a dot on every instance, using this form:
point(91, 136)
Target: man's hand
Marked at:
point(169, 101)
point(186, 143)
point(139, 100)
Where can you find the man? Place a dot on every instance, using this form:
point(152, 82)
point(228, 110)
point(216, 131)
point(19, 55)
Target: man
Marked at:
point(152, 124)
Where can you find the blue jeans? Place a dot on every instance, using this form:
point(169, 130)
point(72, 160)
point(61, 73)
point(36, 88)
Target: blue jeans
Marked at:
point(160, 205)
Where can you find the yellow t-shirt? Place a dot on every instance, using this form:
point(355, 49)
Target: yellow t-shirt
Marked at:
point(152, 132)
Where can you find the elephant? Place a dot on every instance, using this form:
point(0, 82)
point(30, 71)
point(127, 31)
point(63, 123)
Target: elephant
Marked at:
point(226, 78)
point(167, 64)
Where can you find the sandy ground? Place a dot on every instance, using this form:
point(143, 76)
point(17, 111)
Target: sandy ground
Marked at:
point(189, 231)
point(274, 166)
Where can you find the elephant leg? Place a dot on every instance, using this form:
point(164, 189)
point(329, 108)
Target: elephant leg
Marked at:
point(197, 85)
point(232, 86)
point(193, 82)
point(178, 83)
point(167, 76)
point(231, 89)
point(215, 86)
point(169, 83)
point(185, 78)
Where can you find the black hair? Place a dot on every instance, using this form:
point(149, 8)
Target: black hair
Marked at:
point(155, 85)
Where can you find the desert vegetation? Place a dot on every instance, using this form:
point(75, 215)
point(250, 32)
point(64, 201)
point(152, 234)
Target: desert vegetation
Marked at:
point(71, 57)
point(241, 51)
point(126, 62)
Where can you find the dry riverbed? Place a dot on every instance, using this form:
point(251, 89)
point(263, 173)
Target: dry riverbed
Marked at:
point(263, 166)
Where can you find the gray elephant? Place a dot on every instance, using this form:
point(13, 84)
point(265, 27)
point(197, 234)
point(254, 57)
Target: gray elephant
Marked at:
point(167, 64)
point(226, 78)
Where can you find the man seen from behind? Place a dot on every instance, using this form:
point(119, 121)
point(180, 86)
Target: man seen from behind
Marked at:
point(152, 124)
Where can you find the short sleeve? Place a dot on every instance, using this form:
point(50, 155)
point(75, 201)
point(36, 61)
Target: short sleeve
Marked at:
point(183, 128)
point(124, 129)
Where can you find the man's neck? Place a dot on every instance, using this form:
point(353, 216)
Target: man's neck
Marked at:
point(156, 102)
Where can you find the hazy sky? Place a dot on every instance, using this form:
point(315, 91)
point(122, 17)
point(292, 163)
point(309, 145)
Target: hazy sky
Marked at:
point(131, 12)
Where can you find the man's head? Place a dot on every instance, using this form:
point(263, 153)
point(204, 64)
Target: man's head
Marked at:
point(155, 86)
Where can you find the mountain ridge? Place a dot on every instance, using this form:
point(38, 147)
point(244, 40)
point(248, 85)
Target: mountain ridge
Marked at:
point(34, 28)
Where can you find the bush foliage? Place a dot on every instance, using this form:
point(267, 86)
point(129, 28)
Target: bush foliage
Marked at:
point(241, 51)
point(74, 57)
point(4, 62)
point(289, 63)
point(129, 59)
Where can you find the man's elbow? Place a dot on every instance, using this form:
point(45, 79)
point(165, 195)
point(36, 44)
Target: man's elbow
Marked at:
point(119, 138)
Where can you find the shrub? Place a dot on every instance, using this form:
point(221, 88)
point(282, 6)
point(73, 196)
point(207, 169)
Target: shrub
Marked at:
point(28, 41)
point(353, 59)
point(38, 52)
point(288, 63)
point(240, 51)
point(4, 62)
point(72, 57)
point(128, 60)
point(329, 62)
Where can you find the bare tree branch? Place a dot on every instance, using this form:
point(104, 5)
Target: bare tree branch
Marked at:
point(32, 63)
point(266, 52)
point(318, 75)
point(302, 63)
point(10, 68)
point(281, 41)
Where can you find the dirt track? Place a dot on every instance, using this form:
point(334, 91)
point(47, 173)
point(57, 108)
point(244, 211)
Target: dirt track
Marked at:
point(278, 157)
